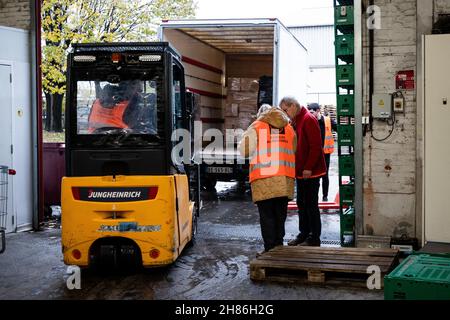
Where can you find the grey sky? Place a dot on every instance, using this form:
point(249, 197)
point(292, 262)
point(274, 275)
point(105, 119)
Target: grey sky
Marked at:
point(290, 12)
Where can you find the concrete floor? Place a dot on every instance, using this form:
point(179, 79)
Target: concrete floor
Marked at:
point(213, 268)
point(216, 267)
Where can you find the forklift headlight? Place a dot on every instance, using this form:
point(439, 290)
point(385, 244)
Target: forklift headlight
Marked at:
point(84, 58)
point(150, 58)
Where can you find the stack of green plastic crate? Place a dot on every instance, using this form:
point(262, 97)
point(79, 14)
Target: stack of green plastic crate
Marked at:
point(345, 83)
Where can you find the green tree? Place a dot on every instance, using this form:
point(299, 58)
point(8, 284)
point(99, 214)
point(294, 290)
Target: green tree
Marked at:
point(54, 20)
point(70, 21)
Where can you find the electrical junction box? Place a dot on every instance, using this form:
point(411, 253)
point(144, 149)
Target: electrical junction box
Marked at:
point(399, 105)
point(381, 106)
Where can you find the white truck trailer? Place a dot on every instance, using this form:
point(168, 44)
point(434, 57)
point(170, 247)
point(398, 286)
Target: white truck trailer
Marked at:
point(234, 66)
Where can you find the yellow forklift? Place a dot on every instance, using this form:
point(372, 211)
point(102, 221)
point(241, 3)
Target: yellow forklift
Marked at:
point(124, 201)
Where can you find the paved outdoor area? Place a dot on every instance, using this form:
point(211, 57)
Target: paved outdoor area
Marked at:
point(216, 267)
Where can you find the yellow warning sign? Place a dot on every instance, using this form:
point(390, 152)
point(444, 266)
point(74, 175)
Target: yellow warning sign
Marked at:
point(381, 103)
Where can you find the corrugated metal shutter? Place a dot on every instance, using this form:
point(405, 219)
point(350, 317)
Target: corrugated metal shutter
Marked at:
point(319, 40)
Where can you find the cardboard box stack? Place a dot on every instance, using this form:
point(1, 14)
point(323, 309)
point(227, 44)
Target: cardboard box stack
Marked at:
point(330, 110)
point(241, 104)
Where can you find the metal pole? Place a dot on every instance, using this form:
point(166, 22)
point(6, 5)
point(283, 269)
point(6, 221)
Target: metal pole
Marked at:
point(36, 103)
point(359, 173)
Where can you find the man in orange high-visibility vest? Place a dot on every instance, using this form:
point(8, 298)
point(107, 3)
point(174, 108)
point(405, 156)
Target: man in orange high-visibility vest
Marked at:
point(115, 109)
point(327, 126)
point(107, 117)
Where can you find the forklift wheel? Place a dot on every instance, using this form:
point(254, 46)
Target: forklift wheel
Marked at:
point(209, 184)
point(3, 241)
point(242, 185)
point(194, 229)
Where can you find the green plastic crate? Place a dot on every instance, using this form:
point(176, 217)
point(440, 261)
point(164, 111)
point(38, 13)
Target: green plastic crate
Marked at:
point(346, 105)
point(346, 165)
point(347, 221)
point(344, 2)
point(419, 277)
point(345, 45)
point(344, 15)
point(349, 211)
point(345, 29)
point(345, 75)
point(347, 195)
point(346, 135)
point(347, 239)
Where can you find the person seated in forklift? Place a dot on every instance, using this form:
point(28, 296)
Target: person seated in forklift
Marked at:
point(270, 143)
point(123, 106)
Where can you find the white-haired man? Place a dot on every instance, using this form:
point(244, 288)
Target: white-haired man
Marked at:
point(270, 144)
point(310, 166)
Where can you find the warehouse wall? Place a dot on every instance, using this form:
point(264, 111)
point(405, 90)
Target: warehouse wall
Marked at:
point(390, 166)
point(16, 54)
point(393, 168)
point(319, 40)
point(441, 7)
point(15, 14)
point(322, 86)
point(16, 36)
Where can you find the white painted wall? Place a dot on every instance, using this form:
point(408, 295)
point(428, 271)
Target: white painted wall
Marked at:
point(16, 52)
point(319, 41)
point(322, 85)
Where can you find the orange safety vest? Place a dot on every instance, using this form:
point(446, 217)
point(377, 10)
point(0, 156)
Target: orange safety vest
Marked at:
point(275, 154)
point(107, 117)
point(328, 147)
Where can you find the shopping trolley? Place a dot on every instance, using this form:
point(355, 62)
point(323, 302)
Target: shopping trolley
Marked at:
point(3, 205)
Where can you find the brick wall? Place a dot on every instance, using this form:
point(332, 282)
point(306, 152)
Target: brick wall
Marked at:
point(15, 13)
point(441, 7)
point(390, 166)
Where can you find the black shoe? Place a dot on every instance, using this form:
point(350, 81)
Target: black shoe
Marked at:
point(299, 239)
point(325, 199)
point(310, 242)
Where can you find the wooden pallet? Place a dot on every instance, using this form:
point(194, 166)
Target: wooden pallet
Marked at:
point(318, 265)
